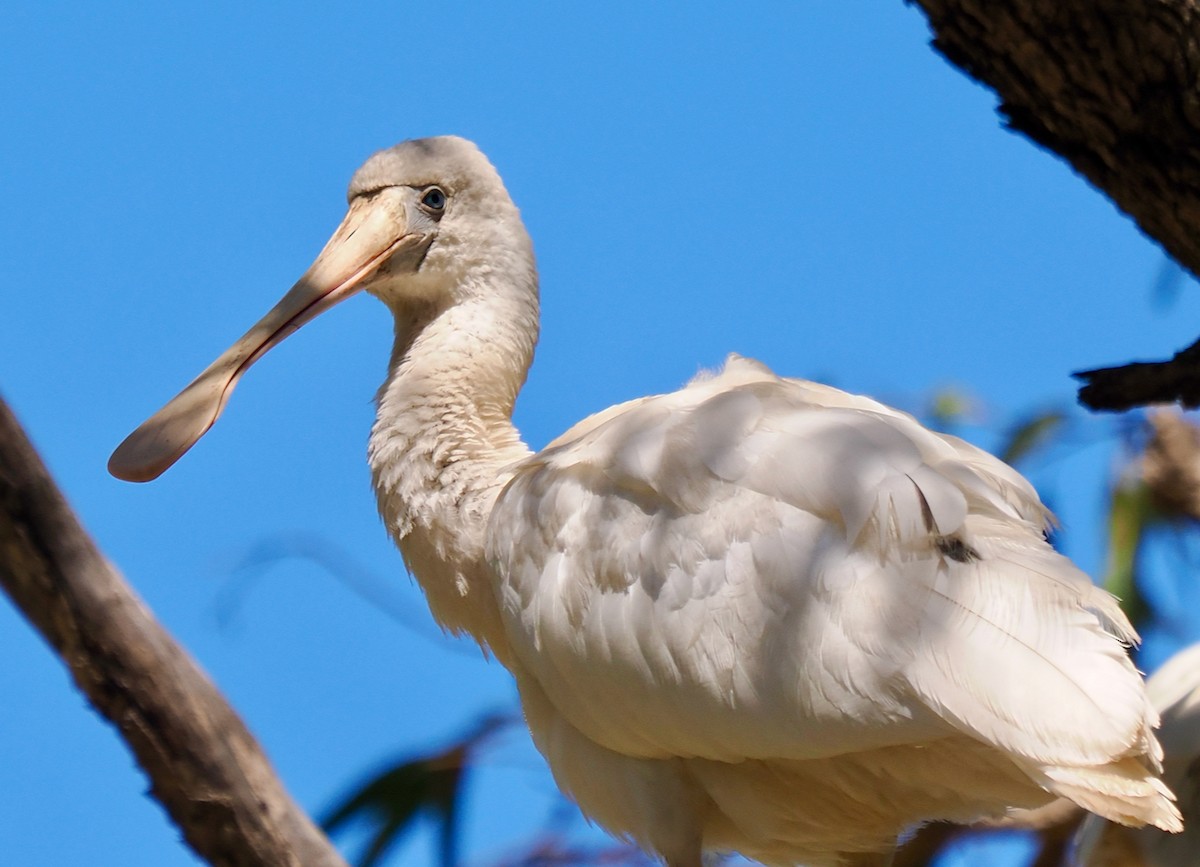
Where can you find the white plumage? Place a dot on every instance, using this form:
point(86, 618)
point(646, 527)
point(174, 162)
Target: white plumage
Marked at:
point(757, 614)
point(1175, 691)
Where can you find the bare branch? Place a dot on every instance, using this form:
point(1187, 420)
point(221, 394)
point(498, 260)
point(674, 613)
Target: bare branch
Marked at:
point(204, 765)
point(1140, 383)
point(1112, 86)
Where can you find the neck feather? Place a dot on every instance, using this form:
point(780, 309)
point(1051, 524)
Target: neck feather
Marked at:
point(443, 443)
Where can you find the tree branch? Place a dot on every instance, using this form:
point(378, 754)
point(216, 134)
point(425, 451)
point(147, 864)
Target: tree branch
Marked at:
point(1144, 382)
point(1112, 86)
point(204, 765)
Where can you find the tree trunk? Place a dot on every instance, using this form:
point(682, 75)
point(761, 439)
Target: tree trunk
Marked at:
point(1113, 87)
point(204, 765)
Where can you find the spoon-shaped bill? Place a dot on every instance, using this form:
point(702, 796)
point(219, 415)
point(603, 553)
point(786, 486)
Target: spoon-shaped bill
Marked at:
point(372, 232)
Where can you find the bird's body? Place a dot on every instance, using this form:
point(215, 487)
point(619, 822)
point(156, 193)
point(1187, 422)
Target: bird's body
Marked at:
point(757, 614)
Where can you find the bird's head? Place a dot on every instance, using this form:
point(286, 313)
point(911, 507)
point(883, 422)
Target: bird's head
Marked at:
point(449, 213)
point(428, 220)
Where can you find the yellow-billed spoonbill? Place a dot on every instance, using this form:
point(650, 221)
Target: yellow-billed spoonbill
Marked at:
point(757, 614)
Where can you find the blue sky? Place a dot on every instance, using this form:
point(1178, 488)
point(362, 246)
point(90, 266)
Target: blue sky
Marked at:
point(805, 183)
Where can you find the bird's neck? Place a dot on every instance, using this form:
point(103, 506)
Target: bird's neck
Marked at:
point(443, 443)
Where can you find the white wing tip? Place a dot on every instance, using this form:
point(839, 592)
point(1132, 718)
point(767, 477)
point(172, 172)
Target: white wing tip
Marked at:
point(1124, 792)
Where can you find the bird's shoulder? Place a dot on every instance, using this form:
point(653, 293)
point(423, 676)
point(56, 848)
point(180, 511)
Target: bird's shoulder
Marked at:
point(844, 457)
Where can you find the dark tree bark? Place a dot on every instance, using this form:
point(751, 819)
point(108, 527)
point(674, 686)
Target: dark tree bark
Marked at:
point(204, 765)
point(1112, 86)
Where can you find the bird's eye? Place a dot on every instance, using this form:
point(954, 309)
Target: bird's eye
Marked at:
point(434, 199)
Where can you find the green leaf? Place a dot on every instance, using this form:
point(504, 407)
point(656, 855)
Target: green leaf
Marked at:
point(429, 785)
point(1033, 433)
point(950, 405)
point(1129, 514)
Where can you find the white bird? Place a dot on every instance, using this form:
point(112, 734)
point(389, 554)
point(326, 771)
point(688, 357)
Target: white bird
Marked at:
point(1175, 691)
point(757, 614)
